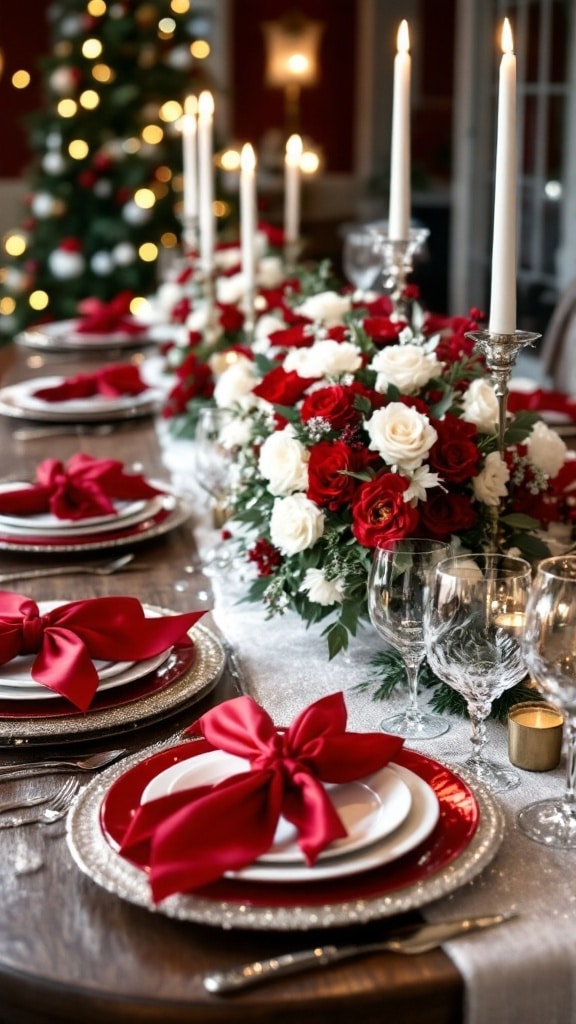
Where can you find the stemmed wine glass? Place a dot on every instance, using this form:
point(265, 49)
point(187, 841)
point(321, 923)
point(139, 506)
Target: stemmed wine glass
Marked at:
point(473, 627)
point(400, 574)
point(213, 469)
point(549, 648)
point(361, 259)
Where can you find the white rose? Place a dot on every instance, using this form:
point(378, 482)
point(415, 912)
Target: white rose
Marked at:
point(296, 523)
point(480, 406)
point(402, 435)
point(546, 449)
point(268, 324)
point(407, 367)
point(230, 290)
point(327, 358)
point(197, 320)
point(323, 591)
point(283, 462)
point(228, 258)
point(490, 484)
point(270, 272)
point(234, 386)
point(327, 308)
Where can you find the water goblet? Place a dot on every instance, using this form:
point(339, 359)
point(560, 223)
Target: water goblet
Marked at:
point(473, 625)
point(549, 648)
point(397, 585)
point(214, 473)
point(361, 259)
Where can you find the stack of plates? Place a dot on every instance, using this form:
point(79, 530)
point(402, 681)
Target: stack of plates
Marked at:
point(132, 521)
point(19, 401)
point(385, 814)
point(64, 334)
point(416, 831)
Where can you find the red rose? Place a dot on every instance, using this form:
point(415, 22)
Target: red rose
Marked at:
point(382, 330)
point(299, 336)
point(328, 482)
point(380, 512)
point(444, 513)
point(381, 306)
point(336, 404)
point(455, 455)
point(230, 318)
point(281, 388)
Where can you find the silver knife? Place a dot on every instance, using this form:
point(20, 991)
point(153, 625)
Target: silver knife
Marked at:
point(417, 939)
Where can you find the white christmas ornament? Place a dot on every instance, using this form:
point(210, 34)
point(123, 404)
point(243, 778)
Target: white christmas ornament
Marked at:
point(44, 205)
point(101, 263)
point(135, 215)
point(124, 254)
point(66, 264)
point(53, 162)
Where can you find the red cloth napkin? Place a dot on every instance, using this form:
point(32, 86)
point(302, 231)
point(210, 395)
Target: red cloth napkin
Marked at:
point(66, 639)
point(196, 835)
point(108, 317)
point(111, 381)
point(542, 400)
point(81, 488)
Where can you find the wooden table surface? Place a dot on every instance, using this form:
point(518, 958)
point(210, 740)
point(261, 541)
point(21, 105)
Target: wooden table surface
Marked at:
point(70, 951)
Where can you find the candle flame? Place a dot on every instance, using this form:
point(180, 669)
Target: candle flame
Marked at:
point(205, 105)
point(247, 158)
point(294, 150)
point(507, 40)
point(191, 106)
point(403, 37)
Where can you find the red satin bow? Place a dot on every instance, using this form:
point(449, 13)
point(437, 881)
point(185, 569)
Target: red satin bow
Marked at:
point(82, 488)
point(111, 381)
point(67, 639)
point(197, 835)
point(108, 317)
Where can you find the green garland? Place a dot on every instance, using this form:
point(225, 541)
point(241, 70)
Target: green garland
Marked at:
point(389, 673)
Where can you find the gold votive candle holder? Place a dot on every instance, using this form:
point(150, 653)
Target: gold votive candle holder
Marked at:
point(535, 731)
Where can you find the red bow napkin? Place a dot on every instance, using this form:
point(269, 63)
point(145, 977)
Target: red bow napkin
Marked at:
point(112, 381)
point(197, 835)
point(66, 639)
point(108, 317)
point(542, 400)
point(82, 488)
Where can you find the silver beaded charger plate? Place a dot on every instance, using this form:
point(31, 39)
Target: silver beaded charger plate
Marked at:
point(96, 857)
point(178, 685)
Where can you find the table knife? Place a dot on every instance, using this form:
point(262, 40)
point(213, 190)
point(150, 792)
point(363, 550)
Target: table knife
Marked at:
point(416, 939)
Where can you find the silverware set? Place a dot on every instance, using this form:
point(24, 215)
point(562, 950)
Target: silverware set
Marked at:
point(121, 564)
point(56, 807)
point(30, 769)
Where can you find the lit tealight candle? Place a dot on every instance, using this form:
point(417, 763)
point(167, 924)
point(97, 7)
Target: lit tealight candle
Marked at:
point(292, 189)
point(535, 736)
point(503, 285)
point(513, 622)
point(206, 180)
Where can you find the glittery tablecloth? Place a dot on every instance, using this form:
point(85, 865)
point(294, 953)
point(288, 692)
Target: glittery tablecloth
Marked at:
point(523, 972)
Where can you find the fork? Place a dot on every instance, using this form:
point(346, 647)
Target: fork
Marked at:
point(98, 569)
point(56, 809)
point(9, 772)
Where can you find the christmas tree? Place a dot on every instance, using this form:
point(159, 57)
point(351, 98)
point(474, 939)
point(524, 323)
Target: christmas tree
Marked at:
point(105, 184)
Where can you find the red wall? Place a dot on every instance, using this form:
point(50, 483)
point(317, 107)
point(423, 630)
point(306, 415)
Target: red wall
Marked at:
point(24, 37)
point(326, 109)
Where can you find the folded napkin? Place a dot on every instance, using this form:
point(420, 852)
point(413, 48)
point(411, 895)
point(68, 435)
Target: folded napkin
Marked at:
point(196, 835)
point(110, 382)
point(67, 639)
point(108, 317)
point(81, 488)
point(542, 400)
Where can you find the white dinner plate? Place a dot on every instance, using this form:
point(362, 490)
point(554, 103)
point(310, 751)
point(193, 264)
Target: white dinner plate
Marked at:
point(370, 808)
point(25, 526)
point(419, 822)
point(21, 398)
point(64, 334)
point(48, 521)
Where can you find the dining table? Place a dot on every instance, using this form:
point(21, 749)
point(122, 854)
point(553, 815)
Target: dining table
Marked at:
point(72, 951)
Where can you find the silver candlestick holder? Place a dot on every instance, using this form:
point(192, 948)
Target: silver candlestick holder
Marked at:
point(397, 263)
point(501, 352)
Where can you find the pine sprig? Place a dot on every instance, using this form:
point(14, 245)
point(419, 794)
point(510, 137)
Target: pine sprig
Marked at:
point(388, 674)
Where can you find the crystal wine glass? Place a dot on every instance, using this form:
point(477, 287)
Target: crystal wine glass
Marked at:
point(473, 627)
point(213, 469)
point(397, 585)
point(549, 647)
point(361, 259)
